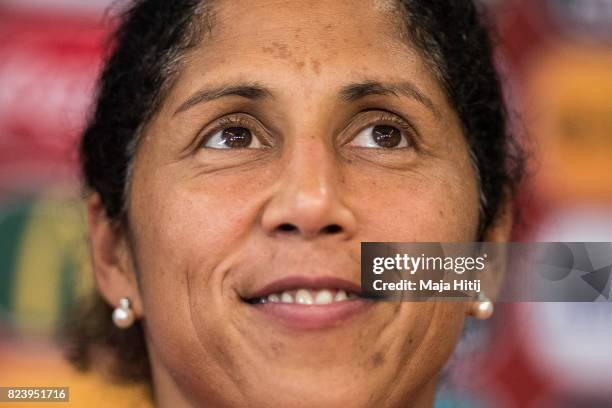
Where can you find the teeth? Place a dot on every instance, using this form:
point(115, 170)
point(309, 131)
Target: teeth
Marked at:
point(324, 297)
point(303, 297)
point(340, 296)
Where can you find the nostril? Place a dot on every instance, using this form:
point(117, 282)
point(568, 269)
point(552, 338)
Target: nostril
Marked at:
point(291, 228)
point(287, 227)
point(332, 229)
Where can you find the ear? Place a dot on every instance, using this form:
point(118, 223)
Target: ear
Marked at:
point(501, 228)
point(111, 254)
point(499, 231)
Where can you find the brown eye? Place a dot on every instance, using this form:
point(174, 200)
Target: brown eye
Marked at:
point(386, 136)
point(235, 137)
point(382, 136)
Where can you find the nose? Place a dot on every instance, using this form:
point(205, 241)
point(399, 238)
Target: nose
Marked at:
point(307, 199)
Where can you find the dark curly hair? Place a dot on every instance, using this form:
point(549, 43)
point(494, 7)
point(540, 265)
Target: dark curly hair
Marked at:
point(153, 35)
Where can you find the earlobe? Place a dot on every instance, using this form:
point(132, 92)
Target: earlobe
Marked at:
point(111, 257)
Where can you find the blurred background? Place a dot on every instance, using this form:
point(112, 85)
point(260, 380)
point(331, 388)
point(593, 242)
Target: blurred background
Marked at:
point(556, 61)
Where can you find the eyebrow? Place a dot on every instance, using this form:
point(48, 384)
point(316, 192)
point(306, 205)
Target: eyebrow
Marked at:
point(248, 91)
point(359, 90)
point(348, 93)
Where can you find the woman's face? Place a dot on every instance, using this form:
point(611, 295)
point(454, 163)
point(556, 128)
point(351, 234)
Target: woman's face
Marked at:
point(295, 131)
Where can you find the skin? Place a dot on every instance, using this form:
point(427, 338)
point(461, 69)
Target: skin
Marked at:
point(205, 224)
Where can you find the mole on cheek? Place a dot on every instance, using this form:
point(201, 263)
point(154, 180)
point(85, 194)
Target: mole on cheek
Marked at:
point(378, 359)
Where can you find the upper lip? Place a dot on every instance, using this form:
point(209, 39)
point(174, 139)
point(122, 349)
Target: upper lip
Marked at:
point(306, 282)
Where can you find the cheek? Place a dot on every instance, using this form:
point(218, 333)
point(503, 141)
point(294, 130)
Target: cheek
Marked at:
point(188, 230)
point(436, 206)
point(185, 234)
point(195, 220)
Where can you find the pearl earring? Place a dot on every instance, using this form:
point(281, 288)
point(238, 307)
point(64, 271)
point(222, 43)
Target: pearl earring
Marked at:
point(482, 309)
point(123, 316)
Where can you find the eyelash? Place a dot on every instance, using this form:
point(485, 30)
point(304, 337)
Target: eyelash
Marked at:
point(383, 117)
point(229, 121)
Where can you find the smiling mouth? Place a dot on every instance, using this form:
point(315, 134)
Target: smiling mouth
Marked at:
point(309, 303)
point(305, 296)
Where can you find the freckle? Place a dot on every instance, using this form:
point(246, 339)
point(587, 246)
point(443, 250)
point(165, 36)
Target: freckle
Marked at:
point(267, 50)
point(441, 213)
point(301, 64)
point(277, 348)
point(316, 66)
point(377, 360)
point(281, 50)
point(280, 46)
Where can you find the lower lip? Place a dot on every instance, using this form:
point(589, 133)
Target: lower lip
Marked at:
point(298, 316)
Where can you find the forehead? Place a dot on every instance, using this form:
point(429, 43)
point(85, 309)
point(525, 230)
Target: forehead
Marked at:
point(307, 15)
point(313, 43)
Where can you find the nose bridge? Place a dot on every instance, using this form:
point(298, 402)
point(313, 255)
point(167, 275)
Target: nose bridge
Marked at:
point(310, 169)
point(307, 199)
